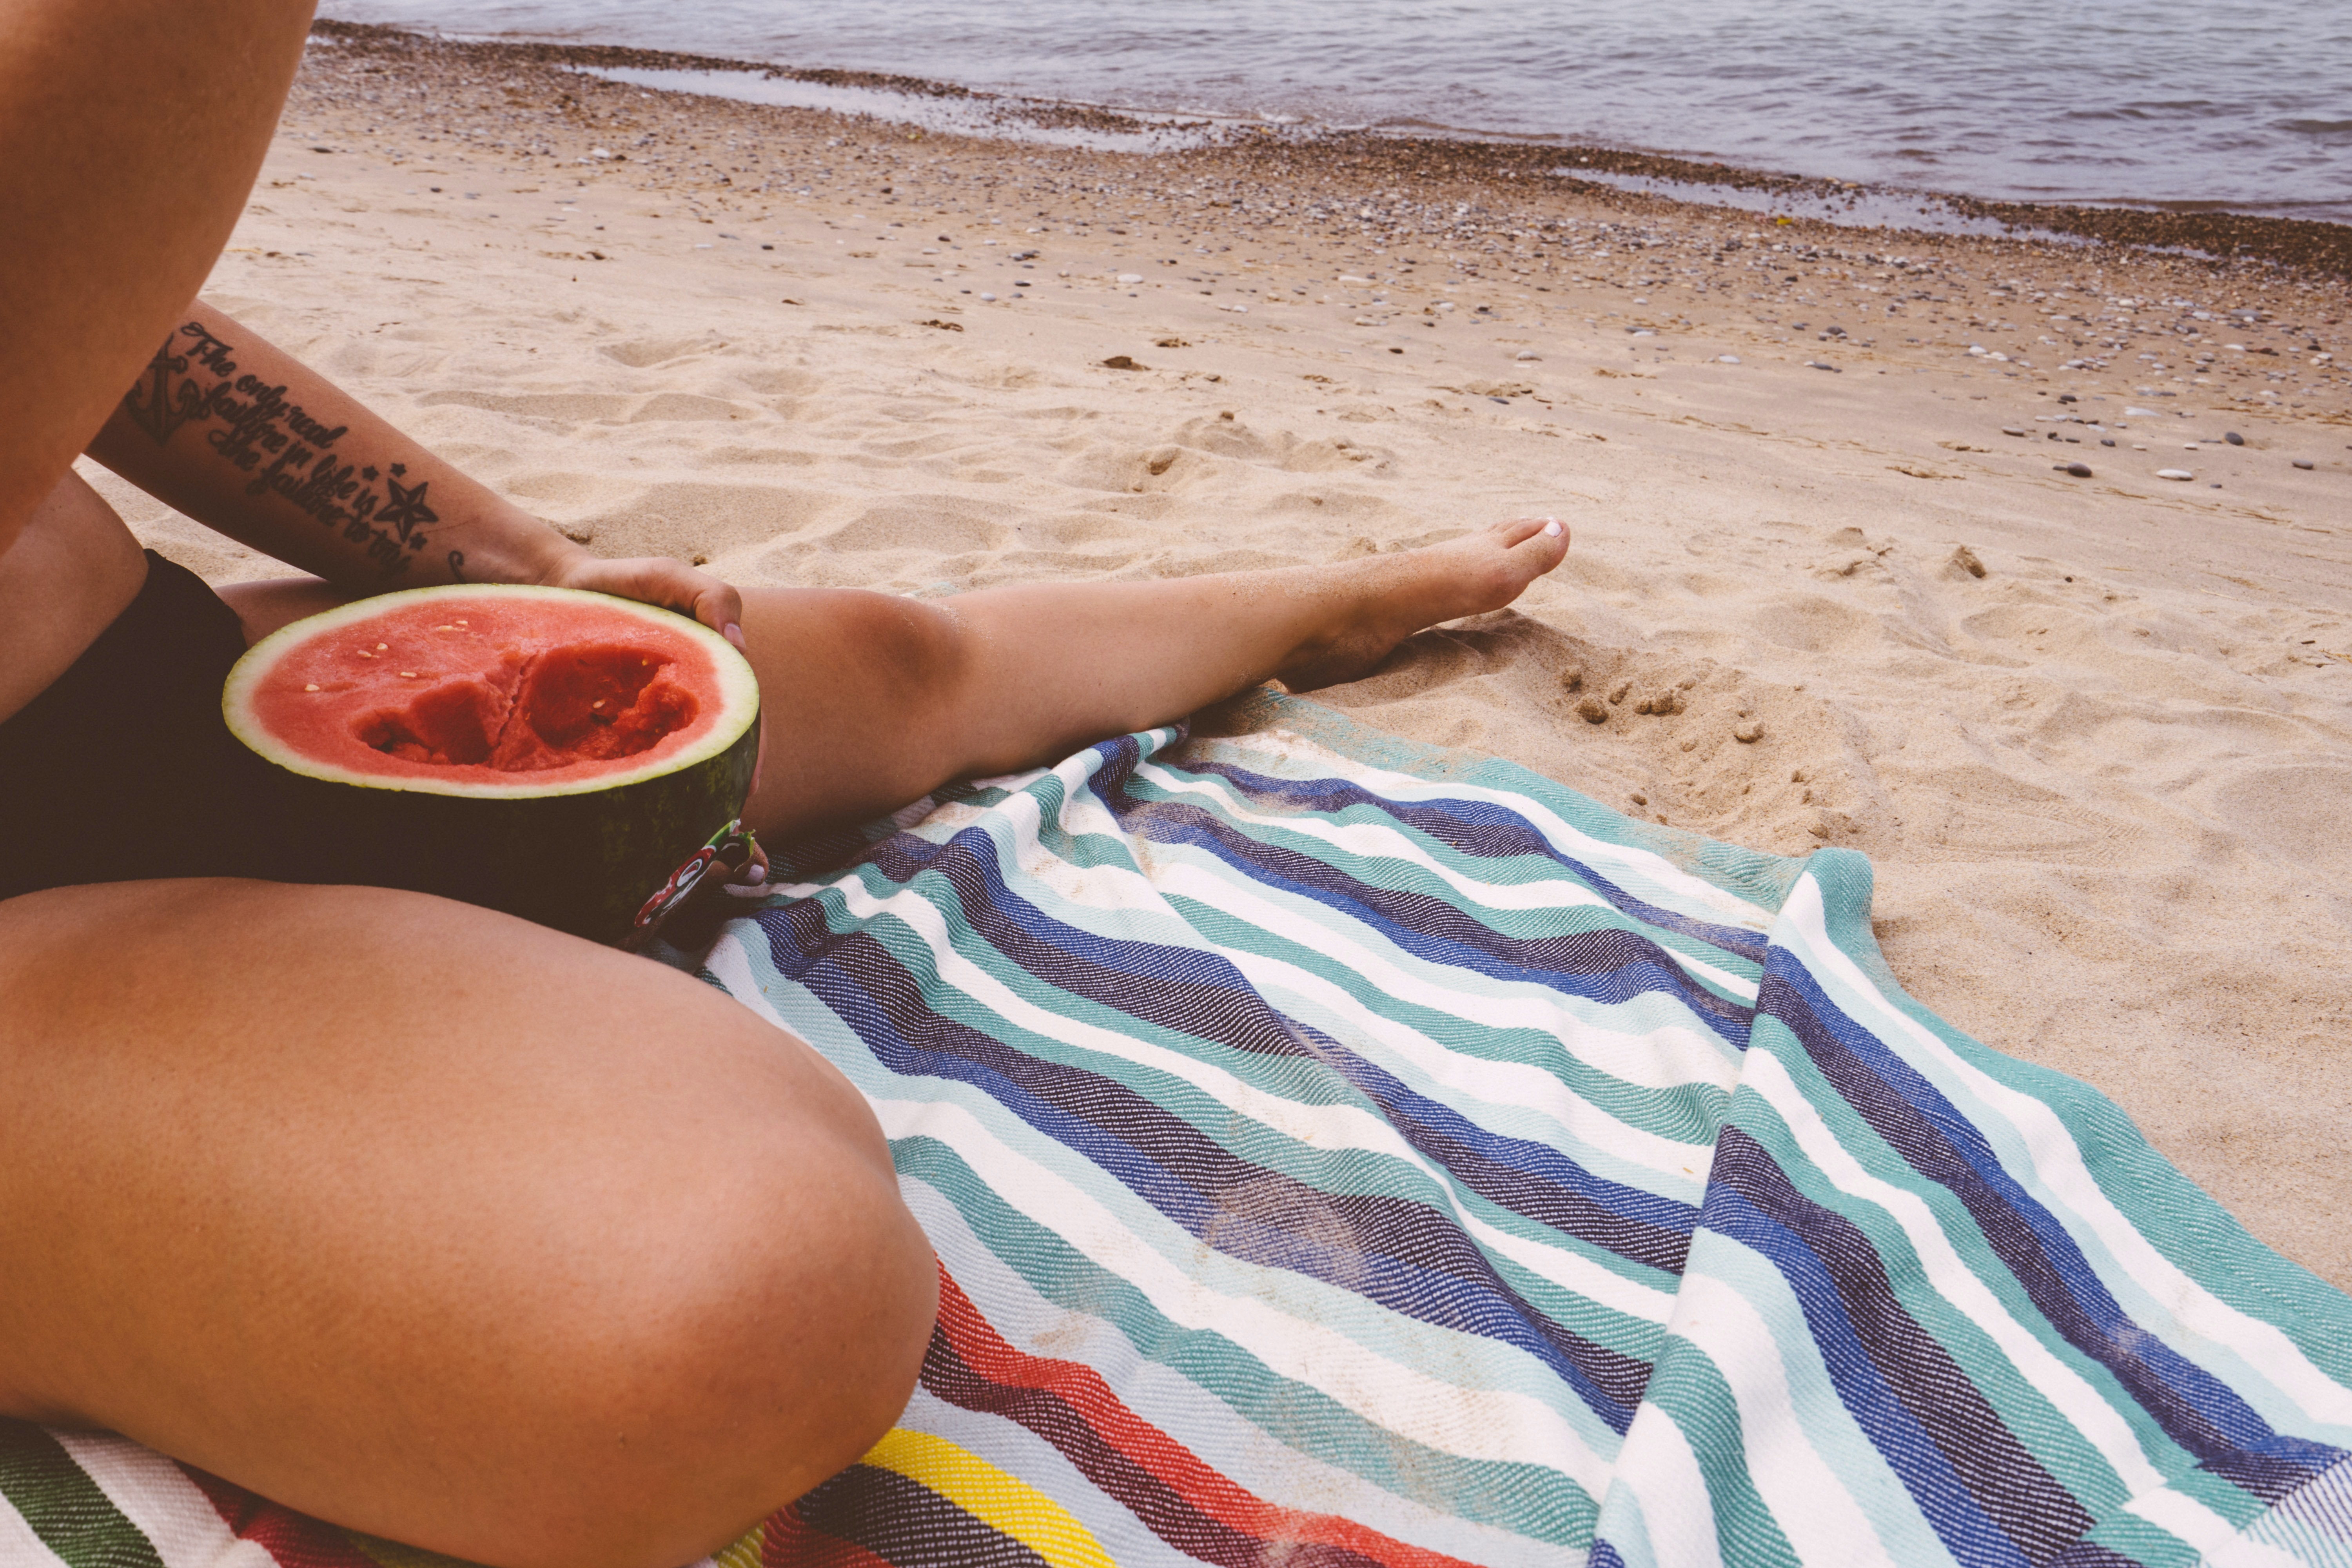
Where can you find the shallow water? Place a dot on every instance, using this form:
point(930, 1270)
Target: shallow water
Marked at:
point(2246, 106)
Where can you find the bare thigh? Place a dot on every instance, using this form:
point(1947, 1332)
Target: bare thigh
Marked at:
point(435, 1223)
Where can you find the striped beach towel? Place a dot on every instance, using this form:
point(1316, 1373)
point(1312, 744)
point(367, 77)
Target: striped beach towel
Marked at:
point(1345, 1153)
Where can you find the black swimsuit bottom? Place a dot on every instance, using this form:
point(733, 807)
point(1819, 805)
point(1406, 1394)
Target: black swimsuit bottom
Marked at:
point(124, 768)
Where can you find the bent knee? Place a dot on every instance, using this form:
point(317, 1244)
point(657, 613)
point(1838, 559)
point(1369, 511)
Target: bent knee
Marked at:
point(774, 1344)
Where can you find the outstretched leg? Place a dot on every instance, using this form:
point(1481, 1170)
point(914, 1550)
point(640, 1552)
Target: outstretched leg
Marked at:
point(872, 700)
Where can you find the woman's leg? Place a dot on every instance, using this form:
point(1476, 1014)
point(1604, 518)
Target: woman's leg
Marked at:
point(872, 700)
point(437, 1224)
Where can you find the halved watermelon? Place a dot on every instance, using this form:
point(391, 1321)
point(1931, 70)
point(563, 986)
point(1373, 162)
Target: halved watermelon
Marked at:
point(552, 753)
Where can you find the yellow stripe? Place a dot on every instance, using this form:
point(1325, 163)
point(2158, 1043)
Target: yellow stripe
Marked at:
point(745, 1551)
point(991, 1496)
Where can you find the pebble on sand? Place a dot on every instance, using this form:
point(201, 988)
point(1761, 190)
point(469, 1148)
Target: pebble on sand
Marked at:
point(2232, 437)
point(1592, 710)
point(1726, 359)
point(2080, 470)
point(1123, 362)
point(1747, 734)
point(1817, 364)
point(2303, 462)
point(2174, 474)
point(1130, 277)
point(1527, 353)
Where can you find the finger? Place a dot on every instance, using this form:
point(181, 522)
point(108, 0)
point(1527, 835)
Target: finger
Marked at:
point(720, 608)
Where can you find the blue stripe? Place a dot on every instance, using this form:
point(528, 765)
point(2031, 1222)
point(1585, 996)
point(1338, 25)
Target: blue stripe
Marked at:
point(2196, 1409)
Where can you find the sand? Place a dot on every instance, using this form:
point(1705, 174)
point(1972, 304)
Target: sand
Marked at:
point(2094, 733)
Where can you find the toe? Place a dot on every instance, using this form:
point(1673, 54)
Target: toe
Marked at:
point(1520, 529)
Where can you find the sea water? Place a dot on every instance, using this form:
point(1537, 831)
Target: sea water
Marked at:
point(2245, 105)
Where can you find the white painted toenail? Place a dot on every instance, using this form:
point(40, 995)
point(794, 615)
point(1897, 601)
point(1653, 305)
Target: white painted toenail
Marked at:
point(1551, 529)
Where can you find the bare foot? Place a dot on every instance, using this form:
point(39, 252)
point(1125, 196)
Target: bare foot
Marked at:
point(1379, 602)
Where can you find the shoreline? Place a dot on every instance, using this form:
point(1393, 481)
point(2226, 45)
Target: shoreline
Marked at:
point(2207, 233)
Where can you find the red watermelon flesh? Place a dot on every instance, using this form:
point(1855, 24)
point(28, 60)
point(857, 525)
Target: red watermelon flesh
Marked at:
point(474, 690)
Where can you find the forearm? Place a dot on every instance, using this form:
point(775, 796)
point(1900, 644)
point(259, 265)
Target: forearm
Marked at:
point(230, 430)
point(132, 131)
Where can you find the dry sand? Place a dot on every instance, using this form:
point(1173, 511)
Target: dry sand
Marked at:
point(2095, 733)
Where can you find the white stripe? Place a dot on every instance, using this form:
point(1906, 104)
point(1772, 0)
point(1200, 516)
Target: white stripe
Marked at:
point(2059, 1171)
point(1659, 1469)
point(2083, 1407)
point(1809, 1501)
point(156, 1495)
point(1474, 1423)
point(19, 1547)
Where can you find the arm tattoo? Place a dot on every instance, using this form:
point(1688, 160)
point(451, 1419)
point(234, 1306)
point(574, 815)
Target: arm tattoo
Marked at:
point(194, 379)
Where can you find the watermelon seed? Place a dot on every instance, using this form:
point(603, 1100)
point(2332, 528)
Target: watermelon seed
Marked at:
point(598, 703)
point(408, 674)
point(381, 646)
point(312, 687)
point(365, 654)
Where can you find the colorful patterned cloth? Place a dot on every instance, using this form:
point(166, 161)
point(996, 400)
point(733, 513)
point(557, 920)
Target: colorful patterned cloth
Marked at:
point(1342, 1152)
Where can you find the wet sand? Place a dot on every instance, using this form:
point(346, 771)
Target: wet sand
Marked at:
point(1831, 581)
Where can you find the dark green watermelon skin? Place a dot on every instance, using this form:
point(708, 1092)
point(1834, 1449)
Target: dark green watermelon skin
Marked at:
point(581, 863)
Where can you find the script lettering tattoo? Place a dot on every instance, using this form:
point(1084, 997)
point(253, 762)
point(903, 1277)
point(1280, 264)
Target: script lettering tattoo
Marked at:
point(194, 379)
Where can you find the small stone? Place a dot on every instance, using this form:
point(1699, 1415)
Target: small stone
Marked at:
point(1130, 277)
point(1965, 560)
point(2011, 430)
point(1726, 359)
point(1817, 364)
point(1592, 710)
point(2107, 441)
point(1526, 354)
point(2303, 462)
point(1618, 693)
point(2232, 437)
point(2080, 470)
point(1123, 362)
point(1747, 734)
point(1641, 799)
point(2174, 474)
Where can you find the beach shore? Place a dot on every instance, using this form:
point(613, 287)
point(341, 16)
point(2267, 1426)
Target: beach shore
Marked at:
point(1832, 582)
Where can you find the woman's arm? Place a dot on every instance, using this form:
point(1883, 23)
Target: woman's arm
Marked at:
point(246, 439)
point(130, 133)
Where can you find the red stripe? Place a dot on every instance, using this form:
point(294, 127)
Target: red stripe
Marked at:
point(1079, 1386)
point(292, 1540)
point(787, 1540)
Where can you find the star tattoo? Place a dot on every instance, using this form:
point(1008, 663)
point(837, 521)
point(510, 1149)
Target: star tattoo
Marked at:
point(406, 509)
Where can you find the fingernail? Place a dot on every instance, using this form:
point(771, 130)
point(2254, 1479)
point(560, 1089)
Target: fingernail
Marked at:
point(1552, 527)
point(734, 633)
